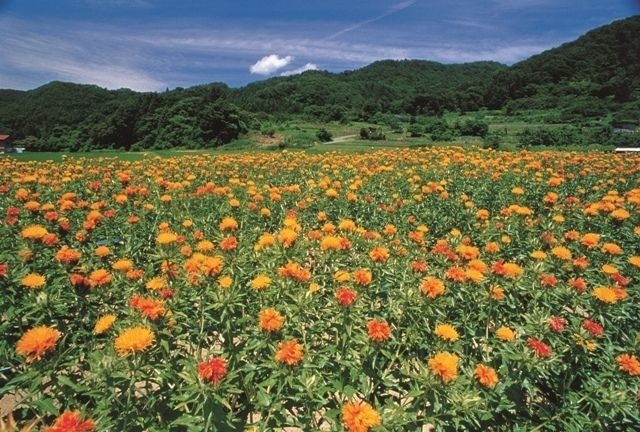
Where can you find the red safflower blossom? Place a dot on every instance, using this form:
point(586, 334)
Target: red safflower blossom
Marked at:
point(581, 262)
point(229, 243)
point(594, 328)
point(70, 421)
point(419, 266)
point(620, 280)
point(539, 348)
point(379, 331)
point(557, 324)
point(548, 280)
point(213, 371)
point(455, 274)
point(3, 269)
point(167, 293)
point(345, 296)
point(148, 307)
point(79, 281)
point(579, 284)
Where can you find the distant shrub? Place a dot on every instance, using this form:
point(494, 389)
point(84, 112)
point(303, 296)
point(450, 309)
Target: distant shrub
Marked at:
point(372, 133)
point(415, 130)
point(492, 141)
point(474, 127)
point(324, 135)
point(559, 137)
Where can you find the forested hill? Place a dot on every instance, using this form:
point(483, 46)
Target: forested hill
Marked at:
point(599, 73)
point(405, 86)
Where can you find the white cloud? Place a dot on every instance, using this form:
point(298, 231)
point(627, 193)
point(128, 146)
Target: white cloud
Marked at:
point(269, 64)
point(307, 67)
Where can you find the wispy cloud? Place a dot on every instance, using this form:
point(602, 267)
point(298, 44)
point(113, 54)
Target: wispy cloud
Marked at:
point(304, 68)
point(473, 24)
point(66, 58)
point(393, 9)
point(516, 4)
point(269, 64)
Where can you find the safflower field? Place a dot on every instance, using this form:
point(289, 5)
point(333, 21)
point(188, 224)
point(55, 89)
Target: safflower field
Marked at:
point(398, 290)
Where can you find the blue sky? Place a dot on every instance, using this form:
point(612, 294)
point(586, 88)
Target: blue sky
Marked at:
point(151, 45)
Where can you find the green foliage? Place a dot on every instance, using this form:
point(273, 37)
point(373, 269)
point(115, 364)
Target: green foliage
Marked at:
point(415, 130)
point(564, 136)
point(372, 133)
point(474, 127)
point(492, 141)
point(324, 135)
point(439, 130)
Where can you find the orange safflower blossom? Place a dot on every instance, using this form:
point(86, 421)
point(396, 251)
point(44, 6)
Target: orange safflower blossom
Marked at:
point(379, 254)
point(36, 342)
point(122, 265)
point(228, 224)
point(166, 238)
point(260, 282)
point(147, 306)
point(265, 240)
point(562, 253)
point(289, 352)
point(133, 340)
point(67, 255)
point(486, 375)
point(359, 417)
point(294, 271)
point(362, 277)
point(444, 365)
point(608, 294)
point(505, 334)
point(34, 232)
point(432, 287)
point(378, 330)
point(229, 243)
point(629, 364)
point(99, 277)
point(104, 323)
point(287, 237)
point(270, 320)
point(446, 332)
point(33, 281)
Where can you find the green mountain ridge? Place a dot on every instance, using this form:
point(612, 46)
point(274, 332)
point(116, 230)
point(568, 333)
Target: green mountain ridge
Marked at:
point(591, 77)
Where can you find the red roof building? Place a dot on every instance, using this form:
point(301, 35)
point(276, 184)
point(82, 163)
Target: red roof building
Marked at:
point(5, 142)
